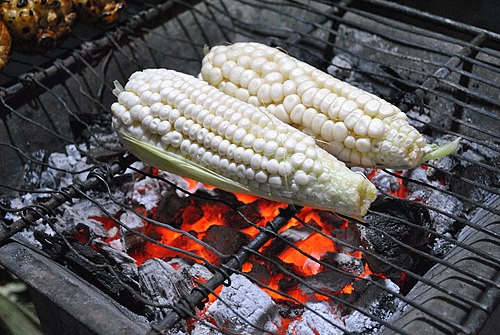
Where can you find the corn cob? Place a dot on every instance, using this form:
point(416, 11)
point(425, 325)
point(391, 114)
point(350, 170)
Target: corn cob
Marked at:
point(181, 124)
point(357, 127)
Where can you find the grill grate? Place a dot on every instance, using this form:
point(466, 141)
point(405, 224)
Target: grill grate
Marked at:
point(451, 74)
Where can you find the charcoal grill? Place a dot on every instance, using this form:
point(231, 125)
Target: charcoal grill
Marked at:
point(444, 73)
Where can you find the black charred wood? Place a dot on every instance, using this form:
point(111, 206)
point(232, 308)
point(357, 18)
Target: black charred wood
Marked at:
point(92, 267)
point(381, 235)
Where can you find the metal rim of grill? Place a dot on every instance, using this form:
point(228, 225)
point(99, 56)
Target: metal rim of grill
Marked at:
point(443, 305)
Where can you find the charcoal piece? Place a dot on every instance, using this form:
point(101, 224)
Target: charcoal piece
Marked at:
point(348, 238)
point(191, 214)
point(341, 66)
point(259, 272)
point(386, 182)
point(327, 281)
point(291, 235)
point(225, 239)
point(201, 328)
point(216, 194)
point(289, 309)
point(440, 223)
point(331, 219)
point(344, 262)
point(147, 193)
point(169, 208)
point(134, 223)
point(287, 283)
point(319, 318)
point(119, 259)
point(162, 284)
point(479, 175)
point(378, 301)
point(250, 211)
point(92, 267)
point(380, 238)
point(465, 169)
point(250, 302)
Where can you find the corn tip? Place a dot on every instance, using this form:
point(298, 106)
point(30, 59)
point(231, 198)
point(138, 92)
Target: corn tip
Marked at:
point(118, 88)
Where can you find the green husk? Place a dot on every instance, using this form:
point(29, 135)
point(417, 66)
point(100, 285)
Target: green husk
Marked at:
point(172, 162)
point(444, 150)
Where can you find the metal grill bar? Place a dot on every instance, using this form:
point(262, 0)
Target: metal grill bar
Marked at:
point(304, 37)
point(30, 215)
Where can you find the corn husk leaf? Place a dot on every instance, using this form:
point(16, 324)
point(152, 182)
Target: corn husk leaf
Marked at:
point(444, 150)
point(172, 162)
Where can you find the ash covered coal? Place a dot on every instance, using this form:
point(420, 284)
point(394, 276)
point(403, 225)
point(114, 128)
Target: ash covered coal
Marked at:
point(163, 284)
point(319, 318)
point(481, 174)
point(377, 301)
point(242, 306)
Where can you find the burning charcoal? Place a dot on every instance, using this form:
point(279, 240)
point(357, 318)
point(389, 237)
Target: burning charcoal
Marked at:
point(198, 271)
point(133, 222)
point(170, 208)
point(297, 233)
point(250, 211)
point(344, 262)
point(225, 239)
point(380, 242)
point(250, 302)
point(387, 183)
point(176, 180)
point(195, 270)
point(190, 215)
point(94, 227)
point(217, 194)
point(259, 272)
point(376, 301)
point(331, 219)
point(327, 281)
point(292, 234)
point(319, 318)
point(82, 209)
point(290, 309)
point(201, 328)
point(147, 193)
point(349, 235)
point(163, 284)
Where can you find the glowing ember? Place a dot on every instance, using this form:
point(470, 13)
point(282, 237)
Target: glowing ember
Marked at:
point(195, 223)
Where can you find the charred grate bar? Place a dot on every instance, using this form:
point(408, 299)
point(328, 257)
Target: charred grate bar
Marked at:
point(427, 72)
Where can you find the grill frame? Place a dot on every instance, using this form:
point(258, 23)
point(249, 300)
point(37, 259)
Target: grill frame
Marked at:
point(462, 57)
